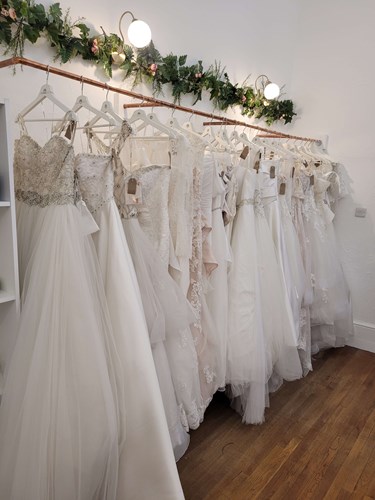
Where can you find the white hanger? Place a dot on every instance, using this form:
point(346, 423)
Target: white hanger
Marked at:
point(46, 92)
point(82, 102)
point(248, 142)
point(187, 129)
point(108, 109)
point(150, 120)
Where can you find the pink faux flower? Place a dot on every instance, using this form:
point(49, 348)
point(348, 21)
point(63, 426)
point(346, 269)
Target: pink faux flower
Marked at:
point(198, 75)
point(153, 68)
point(4, 12)
point(95, 48)
point(243, 99)
point(12, 14)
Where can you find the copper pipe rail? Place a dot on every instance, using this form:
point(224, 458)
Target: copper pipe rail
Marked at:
point(13, 61)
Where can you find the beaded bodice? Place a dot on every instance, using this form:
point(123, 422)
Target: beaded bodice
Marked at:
point(96, 181)
point(44, 175)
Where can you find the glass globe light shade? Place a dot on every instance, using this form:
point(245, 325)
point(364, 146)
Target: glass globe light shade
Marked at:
point(139, 34)
point(271, 91)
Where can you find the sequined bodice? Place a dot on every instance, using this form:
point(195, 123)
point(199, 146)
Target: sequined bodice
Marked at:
point(44, 175)
point(96, 181)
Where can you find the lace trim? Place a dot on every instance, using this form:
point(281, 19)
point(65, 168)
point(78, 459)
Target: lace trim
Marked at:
point(209, 374)
point(43, 200)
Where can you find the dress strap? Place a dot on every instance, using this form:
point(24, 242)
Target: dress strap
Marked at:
point(120, 139)
point(20, 120)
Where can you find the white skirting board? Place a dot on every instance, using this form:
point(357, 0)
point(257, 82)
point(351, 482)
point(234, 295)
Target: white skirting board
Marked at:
point(364, 336)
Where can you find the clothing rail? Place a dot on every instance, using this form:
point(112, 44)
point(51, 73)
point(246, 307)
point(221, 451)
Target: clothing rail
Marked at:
point(285, 136)
point(142, 105)
point(273, 134)
point(95, 83)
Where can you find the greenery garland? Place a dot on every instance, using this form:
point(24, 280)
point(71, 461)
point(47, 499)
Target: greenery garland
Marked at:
point(22, 20)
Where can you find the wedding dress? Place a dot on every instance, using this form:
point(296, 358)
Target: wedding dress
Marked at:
point(62, 409)
point(249, 363)
point(278, 324)
point(217, 295)
point(167, 310)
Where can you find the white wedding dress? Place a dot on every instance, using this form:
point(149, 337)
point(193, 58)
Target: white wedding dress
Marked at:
point(217, 295)
point(167, 310)
point(146, 463)
point(62, 409)
point(249, 362)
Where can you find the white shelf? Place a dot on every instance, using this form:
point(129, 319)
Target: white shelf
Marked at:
point(9, 285)
point(6, 296)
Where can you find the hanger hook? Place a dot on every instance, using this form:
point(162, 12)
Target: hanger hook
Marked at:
point(107, 87)
point(47, 74)
point(173, 111)
point(81, 84)
point(140, 104)
point(191, 116)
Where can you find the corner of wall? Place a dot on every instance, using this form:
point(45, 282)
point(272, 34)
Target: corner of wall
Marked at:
point(364, 336)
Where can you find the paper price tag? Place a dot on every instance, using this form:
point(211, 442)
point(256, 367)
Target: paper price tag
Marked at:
point(245, 152)
point(133, 193)
point(282, 188)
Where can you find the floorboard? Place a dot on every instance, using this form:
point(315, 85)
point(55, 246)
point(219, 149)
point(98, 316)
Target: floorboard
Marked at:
point(318, 441)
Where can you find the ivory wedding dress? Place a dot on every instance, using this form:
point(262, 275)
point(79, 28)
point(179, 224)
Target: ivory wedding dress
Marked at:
point(62, 409)
point(146, 463)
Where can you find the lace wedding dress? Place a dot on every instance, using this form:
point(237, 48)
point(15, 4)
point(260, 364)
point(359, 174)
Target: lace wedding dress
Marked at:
point(167, 310)
point(62, 409)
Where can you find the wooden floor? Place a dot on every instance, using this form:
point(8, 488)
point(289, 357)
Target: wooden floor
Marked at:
point(318, 440)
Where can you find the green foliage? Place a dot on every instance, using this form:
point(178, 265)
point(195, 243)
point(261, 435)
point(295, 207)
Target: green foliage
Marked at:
point(24, 20)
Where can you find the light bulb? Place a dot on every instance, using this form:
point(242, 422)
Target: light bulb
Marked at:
point(139, 34)
point(271, 91)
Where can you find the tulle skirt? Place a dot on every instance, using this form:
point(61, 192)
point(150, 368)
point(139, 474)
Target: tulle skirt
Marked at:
point(147, 465)
point(61, 412)
point(331, 311)
point(168, 316)
point(277, 319)
point(249, 363)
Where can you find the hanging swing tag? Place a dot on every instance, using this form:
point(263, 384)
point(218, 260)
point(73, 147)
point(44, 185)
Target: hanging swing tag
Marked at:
point(245, 152)
point(312, 180)
point(133, 194)
point(282, 188)
point(132, 186)
point(70, 129)
point(273, 172)
point(293, 171)
point(256, 165)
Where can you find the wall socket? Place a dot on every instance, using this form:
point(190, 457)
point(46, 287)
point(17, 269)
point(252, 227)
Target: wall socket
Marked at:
point(360, 212)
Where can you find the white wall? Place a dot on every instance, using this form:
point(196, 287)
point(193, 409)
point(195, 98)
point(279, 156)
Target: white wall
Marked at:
point(333, 79)
point(322, 51)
